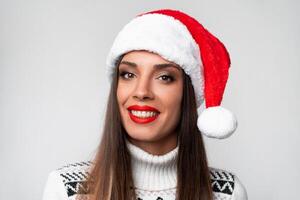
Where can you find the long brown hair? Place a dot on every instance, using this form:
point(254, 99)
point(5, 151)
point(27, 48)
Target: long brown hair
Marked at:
point(110, 177)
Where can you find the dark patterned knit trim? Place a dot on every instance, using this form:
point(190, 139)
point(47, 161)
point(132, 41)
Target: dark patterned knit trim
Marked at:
point(74, 176)
point(222, 181)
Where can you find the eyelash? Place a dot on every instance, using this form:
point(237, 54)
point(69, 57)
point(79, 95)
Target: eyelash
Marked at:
point(170, 78)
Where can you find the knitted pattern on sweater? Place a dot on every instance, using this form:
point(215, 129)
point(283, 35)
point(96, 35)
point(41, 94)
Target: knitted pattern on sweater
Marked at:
point(154, 178)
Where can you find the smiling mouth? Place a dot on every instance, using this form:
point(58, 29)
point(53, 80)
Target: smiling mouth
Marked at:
point(143, 114)
point(142, 117)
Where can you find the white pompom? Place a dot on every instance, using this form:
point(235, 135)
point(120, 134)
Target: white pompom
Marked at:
point(217, 122)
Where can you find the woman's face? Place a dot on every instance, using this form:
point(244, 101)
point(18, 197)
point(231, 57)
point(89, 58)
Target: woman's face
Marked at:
point(147, 79)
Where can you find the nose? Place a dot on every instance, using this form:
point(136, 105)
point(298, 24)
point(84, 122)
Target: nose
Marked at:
point(143, 90)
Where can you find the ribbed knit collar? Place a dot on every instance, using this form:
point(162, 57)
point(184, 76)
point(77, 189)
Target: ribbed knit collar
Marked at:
point(153, 172)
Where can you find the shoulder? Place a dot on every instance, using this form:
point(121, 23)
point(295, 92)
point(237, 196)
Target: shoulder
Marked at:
point(226, 185)
point(65, 182)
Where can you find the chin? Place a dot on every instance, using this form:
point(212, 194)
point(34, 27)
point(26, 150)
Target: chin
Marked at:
point(143, 137)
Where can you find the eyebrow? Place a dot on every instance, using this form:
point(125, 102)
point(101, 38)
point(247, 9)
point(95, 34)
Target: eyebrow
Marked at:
point(158, 66)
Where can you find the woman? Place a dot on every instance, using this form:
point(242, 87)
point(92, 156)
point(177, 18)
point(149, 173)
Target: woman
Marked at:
point(162, 66)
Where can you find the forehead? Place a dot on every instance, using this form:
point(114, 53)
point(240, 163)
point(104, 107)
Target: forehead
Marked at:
point(135, 59)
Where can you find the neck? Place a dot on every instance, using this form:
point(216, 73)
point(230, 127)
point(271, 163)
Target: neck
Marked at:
point(153, 172)
point(160, 147)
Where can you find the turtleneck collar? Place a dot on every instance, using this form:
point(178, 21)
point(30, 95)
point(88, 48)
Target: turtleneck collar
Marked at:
point(153, 172)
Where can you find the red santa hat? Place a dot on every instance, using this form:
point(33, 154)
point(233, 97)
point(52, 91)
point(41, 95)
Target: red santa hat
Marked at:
point(181, 39)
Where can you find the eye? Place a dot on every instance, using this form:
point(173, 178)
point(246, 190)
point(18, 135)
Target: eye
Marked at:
point(167, 78)
point(126, 75)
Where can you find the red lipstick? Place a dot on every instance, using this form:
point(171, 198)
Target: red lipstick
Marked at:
point(142, 108)
point(143, 120)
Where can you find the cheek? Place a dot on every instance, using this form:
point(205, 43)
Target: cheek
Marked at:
point(120, 94)
point(123, 92)
point(170, 96)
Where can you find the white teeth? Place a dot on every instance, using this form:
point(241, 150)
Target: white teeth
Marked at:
point(143, 114)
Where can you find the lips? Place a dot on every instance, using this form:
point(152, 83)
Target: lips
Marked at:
point(143, 120)
point(142, 108)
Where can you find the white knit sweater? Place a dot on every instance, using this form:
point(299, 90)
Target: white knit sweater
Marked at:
point(154, 178)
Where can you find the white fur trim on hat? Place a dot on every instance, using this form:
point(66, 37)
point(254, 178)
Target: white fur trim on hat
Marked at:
point(165, 36)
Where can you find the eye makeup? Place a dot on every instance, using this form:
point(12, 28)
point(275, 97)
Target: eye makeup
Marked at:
point(166, 72)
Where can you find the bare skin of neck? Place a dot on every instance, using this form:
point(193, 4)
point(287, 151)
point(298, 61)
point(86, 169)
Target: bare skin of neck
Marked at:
point(160, 147)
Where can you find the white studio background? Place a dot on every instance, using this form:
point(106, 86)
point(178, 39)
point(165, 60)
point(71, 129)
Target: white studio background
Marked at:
point(53, 87)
